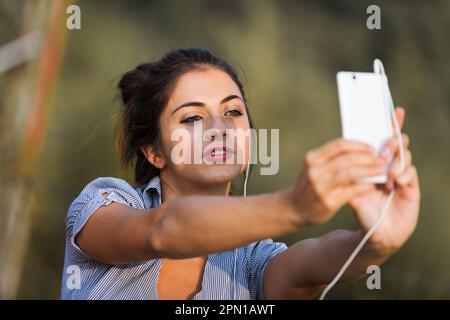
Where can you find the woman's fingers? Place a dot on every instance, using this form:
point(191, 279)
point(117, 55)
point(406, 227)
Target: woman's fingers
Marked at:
point(407, 177)
point(391, 147)
point(397, 168)
point(350, 159)
point(333, 148)
point(356, 190)
point(341, 196)
point(400, 114)
point(348, 175)
point(407, 183)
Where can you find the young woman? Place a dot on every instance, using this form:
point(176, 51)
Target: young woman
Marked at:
point(179, 235)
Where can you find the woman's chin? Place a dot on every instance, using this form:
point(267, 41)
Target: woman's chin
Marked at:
point(218, 173)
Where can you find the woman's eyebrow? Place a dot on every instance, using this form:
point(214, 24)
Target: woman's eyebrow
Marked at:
point(231, 97)
point(202, 104)
point(189, 104)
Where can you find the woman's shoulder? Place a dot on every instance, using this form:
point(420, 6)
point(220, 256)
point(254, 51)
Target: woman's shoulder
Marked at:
point(105, 184)
point(109, 182)
point(113, 188)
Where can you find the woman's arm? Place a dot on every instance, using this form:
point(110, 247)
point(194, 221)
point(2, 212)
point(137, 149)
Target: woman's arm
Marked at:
point(186, 227)
point(302, 271)
point(197, 225)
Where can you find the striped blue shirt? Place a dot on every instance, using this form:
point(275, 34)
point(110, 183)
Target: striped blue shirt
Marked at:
point(233, 274)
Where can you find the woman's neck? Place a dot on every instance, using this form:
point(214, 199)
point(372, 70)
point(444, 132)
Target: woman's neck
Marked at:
point(172, 187)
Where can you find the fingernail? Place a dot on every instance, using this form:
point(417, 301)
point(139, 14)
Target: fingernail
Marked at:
point(385, 153)
point(371, 150)
point(402, 179)
point(390, 185)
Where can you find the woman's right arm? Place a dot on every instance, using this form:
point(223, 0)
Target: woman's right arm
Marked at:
point(197, 225)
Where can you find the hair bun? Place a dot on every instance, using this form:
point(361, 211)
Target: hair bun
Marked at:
point(133, 81)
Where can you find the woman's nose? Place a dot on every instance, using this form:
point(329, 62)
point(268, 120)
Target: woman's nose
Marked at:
point(217, 129)
point(215, 133)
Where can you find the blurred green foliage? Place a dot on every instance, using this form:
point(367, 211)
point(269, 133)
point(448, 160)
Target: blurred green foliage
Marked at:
point(288, 53)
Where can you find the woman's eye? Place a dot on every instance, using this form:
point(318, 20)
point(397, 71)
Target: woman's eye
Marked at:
point(234, 113)
point(191, 119)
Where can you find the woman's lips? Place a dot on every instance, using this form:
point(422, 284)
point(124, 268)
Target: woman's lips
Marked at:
point(218, 153)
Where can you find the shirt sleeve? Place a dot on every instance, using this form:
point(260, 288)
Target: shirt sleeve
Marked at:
point(99, 192)
point(258, 255)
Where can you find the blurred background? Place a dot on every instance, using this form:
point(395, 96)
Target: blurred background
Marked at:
point(59, 107)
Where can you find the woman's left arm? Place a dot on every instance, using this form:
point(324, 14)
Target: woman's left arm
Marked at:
point(306, 267)
point(302, 271)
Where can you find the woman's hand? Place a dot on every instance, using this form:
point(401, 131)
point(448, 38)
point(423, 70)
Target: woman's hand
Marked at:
point(325, 182)
point(401, 218)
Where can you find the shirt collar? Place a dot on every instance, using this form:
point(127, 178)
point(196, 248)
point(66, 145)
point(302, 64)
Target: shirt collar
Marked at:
point(153, 184)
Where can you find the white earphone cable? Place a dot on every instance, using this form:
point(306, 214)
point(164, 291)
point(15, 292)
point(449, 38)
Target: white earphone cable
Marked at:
point(245, 195)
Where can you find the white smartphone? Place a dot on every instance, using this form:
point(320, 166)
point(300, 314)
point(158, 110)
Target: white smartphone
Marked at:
point(365, 115)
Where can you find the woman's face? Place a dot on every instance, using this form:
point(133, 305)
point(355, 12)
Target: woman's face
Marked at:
point(199, 126)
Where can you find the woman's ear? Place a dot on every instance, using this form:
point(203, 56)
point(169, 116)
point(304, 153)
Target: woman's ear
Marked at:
point(154, 157)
